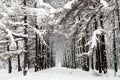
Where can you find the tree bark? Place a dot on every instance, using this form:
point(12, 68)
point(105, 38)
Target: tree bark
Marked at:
point(102, 49)
point(114, 45)
point(9, 66)
point(19, 67)
point(26, 44)
point(9, 62)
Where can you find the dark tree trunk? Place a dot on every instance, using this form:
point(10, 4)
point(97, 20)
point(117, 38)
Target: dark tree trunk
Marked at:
point(9, 62)
point(48, 54)
point(26, 45)
point(85, 58)
point(18, 57)
point(92, 62)
point(25, 58)
point(19, 67)
point(37, 52)
point(36, 55)
point(103, 55)
point(9, 65)
point(101, 61)
point(102, 49)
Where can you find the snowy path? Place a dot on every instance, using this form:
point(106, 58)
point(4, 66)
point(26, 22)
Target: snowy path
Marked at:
point(57, 73)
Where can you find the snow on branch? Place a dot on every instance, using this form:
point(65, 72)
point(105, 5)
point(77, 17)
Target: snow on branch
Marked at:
point(7, 41)
point(15, 23)
point(37, 11)
point(40, 3)
point(8, 54)
point(104, 3)
point(20, 35)
point(69, 4)
point(13, 52)
point(39, 33)
point(81, 55)
point(12, 43)
point(9, 34)
point(93, 42)
point(13, 33)
point(42, 10)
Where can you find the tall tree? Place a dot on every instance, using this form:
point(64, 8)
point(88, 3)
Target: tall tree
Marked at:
point(114, 44)
point(25, 43)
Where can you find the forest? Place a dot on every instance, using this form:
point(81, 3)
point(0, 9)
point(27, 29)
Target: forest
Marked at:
point(74, 34)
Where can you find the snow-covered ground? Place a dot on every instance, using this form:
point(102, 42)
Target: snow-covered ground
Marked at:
point(58, 73)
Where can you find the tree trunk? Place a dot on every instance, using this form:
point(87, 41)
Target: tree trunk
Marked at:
point(9, 62)
point(9, 66)
point(102, 49)
point(73, 51)
point(37, 52)
point(103, 55)
point(19, 67)
point(18, 57)
point(101, 61)
point(114, 46)
point(26, 45)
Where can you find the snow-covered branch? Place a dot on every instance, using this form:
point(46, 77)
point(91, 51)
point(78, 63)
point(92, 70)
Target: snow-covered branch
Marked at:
point(42, 4)
point(7, 41)
point(64, 12)
point(12, 43)
point(9, 34)
point(69, 4)
point(8, 54)
point(95, 38)
point(39, 33)
point(20, 35)
point(104, 3)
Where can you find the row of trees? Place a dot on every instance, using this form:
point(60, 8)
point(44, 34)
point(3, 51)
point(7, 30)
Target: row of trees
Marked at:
point(30, 28)
point(24, 37)
point(95, 38)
